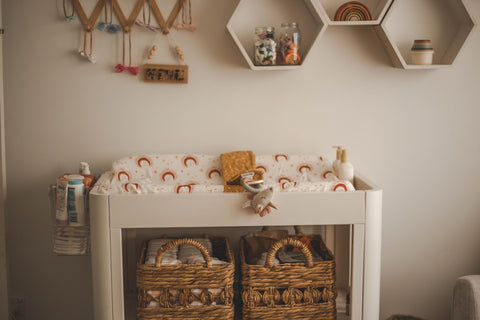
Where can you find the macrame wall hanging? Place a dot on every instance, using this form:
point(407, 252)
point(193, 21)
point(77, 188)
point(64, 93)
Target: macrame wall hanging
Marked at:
point(177, 73)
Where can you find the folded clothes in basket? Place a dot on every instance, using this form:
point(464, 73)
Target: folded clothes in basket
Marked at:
point(169, 257)
point(183, 254)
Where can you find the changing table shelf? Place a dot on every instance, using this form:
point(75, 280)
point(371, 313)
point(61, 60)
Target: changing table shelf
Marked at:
point(110, 214)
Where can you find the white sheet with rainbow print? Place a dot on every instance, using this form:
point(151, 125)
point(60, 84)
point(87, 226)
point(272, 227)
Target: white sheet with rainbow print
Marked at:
point(203, 173)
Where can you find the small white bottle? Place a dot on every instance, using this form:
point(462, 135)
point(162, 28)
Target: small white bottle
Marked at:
point(338, 160)
point(345, 170)
point(76, 203)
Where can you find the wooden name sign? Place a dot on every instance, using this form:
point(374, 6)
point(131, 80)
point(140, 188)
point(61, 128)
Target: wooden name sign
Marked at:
point(168, 73)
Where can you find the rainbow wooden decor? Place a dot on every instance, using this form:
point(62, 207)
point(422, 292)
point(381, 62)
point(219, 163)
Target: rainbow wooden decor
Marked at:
point(353, 11)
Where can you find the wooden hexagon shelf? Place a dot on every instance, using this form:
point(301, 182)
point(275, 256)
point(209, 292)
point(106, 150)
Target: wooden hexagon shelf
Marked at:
point(257, 13)
point(377, 8)
point(447, 23)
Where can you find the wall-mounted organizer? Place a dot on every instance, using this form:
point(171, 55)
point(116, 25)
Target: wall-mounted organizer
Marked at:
point(447, 23)
point(70, 214)
point(250, 14)
point(377, 8)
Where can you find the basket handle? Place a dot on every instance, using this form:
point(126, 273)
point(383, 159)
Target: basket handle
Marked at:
point(291, 242)
point(178, 242)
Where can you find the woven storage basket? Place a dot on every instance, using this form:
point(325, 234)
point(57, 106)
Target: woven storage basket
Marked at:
point(174, 283)
point(290, 291)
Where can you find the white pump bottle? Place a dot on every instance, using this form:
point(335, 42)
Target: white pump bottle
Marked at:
point(345, 170)
point(338, 160)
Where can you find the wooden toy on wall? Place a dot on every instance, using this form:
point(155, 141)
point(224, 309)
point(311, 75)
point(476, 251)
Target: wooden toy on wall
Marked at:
point(353, 11)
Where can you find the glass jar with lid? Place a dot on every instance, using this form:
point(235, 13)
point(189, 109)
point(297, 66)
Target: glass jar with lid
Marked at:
point(289, 41)
point(264, 46)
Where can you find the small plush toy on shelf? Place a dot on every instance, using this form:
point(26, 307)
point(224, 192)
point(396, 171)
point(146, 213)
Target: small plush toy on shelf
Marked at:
point(260, 197)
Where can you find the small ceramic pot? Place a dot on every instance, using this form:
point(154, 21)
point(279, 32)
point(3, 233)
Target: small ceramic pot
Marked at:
point(422, 52)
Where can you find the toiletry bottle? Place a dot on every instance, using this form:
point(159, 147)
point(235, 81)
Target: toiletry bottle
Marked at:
point(345, 170)
point(338, 160)
point(61, 212)
point(76, 202)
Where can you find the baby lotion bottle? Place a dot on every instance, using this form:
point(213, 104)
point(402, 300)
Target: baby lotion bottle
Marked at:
point(338, 160)
point(345, 170)
point(76, 202)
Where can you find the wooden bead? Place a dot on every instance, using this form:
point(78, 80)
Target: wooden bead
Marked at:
point(154, 48)
point(150, 57)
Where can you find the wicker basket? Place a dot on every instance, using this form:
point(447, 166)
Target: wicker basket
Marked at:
point(293, 291)
point(209, 287)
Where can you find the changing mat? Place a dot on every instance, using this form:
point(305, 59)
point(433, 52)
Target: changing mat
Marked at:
point(203, 173)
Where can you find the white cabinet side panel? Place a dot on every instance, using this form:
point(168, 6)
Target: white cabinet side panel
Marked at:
point(357, 272)
point(117, 274)
point(373, 243)
point(101, 267)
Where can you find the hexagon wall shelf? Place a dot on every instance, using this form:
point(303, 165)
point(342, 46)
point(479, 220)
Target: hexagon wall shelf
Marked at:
point(448, 23)
point(378, 9)
point(257, 13)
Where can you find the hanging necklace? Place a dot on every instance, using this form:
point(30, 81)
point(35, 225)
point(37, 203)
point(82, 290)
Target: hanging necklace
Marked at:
point(108, 25)
point(68, 17)
point(88, 27)
point(127, 28)
point(122, 66)
point(186, 23)
point(83, 52)
point(146, 22)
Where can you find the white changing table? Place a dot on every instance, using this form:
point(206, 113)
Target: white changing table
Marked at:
point(109, 214)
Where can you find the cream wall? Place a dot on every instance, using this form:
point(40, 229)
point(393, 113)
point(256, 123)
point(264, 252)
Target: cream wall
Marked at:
point(413, 133)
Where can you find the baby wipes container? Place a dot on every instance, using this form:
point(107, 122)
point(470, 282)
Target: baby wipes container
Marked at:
point(76, 202)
